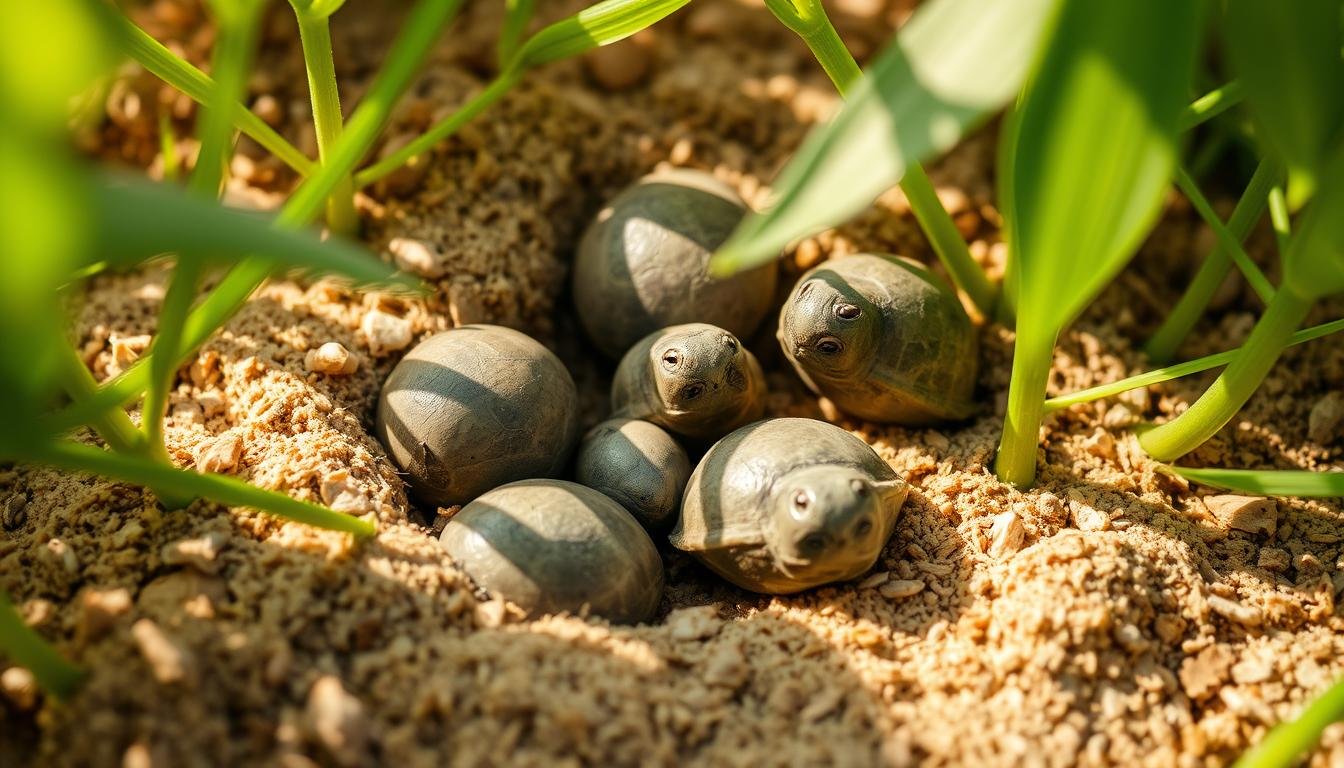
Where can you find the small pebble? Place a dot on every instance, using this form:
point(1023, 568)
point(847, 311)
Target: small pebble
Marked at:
point(221, 454)
point(14, 511)
point(385, 333)
point(1272, 559)
point(211, 402)
point(332, 359)
point(199, 553)
point(894, 590)
point(61, 555)
point(1006, 535)
point(1326, 420)
point(169, 663)
point(1233, 611)
point(20, 688)
point(1252, 514)
point(417, 257)
point(341, 493)
point(695, 623)
point(621, 65)
point(100, 609)
point(875, 580)
point(1086, 517)
point(336, 721)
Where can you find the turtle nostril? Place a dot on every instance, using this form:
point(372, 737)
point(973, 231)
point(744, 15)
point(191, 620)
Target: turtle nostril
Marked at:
point(730, 342)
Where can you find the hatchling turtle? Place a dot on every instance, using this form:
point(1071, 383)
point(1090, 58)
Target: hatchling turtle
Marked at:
point(552, 545)
point(642, 264)
point(696, 380)
point(883, 338)
point(784, 505)
point(637, 464)
point(476, 407)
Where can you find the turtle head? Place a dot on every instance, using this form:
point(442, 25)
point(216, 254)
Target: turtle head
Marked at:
point(700, 372)
point(829, 522)
point(829, 327)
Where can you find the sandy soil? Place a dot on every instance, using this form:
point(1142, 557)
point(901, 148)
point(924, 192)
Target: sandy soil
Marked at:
point(1112, 615)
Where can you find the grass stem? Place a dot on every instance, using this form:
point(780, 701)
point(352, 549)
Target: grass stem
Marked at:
point(440, 131)
point(1159, 375)
point(1286, 743)
point(1278, 217)
point(517, 14)
point(315, 36)
point(180, 74)
point(77, 457)
point(1211, 105)
point(1033, 353)
point(809, 20)
point(1214, 269)
point(1263, 288)
point(1235, 386)
point(23, 646)
point(422, 27)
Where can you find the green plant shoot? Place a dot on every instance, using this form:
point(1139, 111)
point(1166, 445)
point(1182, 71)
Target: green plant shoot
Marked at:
point(1093, 149)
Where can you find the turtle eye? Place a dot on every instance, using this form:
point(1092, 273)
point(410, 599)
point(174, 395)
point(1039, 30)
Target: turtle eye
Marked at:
point(801, 501)
point(693, 391)
point(829, 346)
point(847, 311)
point(864, 528)
point(811, 545)
point(671, 358)
point(730, 342)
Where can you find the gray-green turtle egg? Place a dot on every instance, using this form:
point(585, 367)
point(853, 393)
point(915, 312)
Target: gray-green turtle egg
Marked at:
point(643, 263)
point(550, 546)
point(639, 465)
point(476, 407)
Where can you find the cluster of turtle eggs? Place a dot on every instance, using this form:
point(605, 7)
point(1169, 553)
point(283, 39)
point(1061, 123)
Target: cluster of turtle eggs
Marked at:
point(486, 417)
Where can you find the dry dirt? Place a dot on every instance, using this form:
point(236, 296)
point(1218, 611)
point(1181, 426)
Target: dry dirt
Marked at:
point(1111, 615)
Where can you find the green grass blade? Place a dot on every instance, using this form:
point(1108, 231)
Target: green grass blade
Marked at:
point(315, 39)
point(1313, 264)
point(421, 28)
point(77, 457)
point(1286, 744)
point(1287, 55)
point(1215, 267)
point(1278, 216)
point(136, 219)
point(1159, 375)
point(954, 63)
point(1268, 482)
point(517, 15)
point(1228, 240)
point(1095, 146)
point(1212, 104)
point(180, 74)
point(599, 24)
point(594, 26)
point(23, 646)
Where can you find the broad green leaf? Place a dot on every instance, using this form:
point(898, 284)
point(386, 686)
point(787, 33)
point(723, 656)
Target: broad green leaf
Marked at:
point(600, 24)
point(135, 219)
point(1093, 145)
point(1095, 148)
point(1268, 482)
point(1287, 55)
point(953, 64)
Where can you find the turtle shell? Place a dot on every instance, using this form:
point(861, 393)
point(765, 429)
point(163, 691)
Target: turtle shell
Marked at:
point(476, 407)
point(725, 510)
point(637, 464)
point(643, 263)
point(553, 546)
point(882, 338)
